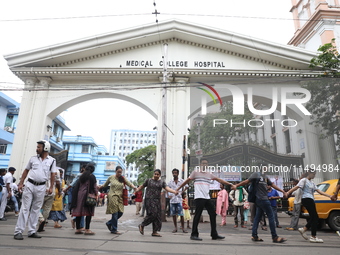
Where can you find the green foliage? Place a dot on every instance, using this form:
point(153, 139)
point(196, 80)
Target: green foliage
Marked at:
point(145, 161)
point(325, 92)
point(214, 139)
point(328, 59)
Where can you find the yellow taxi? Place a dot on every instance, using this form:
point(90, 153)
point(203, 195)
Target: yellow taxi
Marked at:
point(327, 210)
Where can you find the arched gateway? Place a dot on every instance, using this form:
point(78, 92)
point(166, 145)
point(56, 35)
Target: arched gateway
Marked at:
point(128, 65)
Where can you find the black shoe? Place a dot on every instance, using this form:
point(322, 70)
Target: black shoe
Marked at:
point(41, 226)
point(196, 238)
point(18, 237)
point(218, 237)
point(109, 226)
point(34, 235)
point(3, 219)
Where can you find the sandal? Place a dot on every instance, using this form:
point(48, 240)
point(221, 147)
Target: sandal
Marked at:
point(79, 232)
point(184, 231)
point(89, 233)
point(264, 228)
point(73, 224)
point(279, 240)
point(256, 239)
point(156, 234)
point(174, 231)
point(141, 229)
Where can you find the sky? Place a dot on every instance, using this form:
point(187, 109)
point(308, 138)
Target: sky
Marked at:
point(27, 25)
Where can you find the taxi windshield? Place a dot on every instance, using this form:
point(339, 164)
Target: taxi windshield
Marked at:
point(323, 186)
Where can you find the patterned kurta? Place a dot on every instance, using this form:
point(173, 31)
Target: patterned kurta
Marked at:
point(115, 195)
point(153, 203)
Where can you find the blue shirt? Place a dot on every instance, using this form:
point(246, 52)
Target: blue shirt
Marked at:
point(273, 193)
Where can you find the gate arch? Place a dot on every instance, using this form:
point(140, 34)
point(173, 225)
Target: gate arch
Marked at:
point(95, 95)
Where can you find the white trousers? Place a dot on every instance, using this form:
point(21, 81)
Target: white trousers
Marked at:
point(32, 200)
point(3, 202)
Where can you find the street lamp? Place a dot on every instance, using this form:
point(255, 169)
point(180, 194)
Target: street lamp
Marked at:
point(199, 121)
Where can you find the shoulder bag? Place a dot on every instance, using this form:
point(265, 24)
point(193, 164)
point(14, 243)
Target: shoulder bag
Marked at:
point(91, 199)
point(125, 194)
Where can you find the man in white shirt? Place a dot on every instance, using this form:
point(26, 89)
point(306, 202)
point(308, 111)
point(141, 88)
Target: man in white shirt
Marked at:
point(6, 192)
point(202, 179)
point(40, 169)
point(176, 200)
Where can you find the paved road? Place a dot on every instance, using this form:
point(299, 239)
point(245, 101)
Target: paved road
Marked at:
point(237, 241)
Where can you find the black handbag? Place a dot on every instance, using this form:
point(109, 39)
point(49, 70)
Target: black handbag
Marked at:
point(91, 199)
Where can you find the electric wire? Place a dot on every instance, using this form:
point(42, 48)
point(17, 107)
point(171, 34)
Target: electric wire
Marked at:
point(165, 14)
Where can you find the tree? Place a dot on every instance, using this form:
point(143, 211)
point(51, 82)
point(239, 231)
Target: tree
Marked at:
point(324, 104)
point(145, 162)
point(214, 139)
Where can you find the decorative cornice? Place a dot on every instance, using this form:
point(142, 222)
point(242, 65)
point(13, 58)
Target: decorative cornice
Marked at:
point(159, 72)
point(319, 17)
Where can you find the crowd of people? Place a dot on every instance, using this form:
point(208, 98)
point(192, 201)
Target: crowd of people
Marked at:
point(45, 197)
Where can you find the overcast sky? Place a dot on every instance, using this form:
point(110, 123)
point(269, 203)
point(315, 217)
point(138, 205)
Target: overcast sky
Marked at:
point(26, 25)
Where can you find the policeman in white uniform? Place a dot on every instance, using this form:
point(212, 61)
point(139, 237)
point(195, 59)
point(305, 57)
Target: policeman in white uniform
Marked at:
point(6, 192)
point(40, 169)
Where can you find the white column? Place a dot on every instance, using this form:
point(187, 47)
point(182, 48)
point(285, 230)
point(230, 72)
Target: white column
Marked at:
point(328, 153)
point(312, 143)
point(31, 125)
point(178, 122)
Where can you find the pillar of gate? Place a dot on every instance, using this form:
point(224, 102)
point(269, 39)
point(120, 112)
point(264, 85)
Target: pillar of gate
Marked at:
point(176, 125)
point(32, 123)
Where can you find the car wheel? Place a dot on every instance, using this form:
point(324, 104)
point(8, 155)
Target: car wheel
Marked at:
point(334, 220)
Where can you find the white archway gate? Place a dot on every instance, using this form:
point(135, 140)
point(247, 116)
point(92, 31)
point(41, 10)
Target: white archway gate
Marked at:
point(128, 65)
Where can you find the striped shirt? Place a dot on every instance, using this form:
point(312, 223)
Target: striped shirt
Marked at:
point(202, 183)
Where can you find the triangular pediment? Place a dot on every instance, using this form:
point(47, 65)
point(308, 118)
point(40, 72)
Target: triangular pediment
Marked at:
point(180, 54)
point(190, 46)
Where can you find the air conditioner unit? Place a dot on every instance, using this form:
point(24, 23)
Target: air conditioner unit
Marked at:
point(8, 129)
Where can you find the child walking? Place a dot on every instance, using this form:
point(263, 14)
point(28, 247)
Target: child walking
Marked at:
point(186, 207)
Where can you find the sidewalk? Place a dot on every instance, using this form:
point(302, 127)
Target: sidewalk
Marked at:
point(237, 241)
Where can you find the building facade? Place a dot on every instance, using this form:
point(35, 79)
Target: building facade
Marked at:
point(125, 141)
point(122, 65)
point(83, 150)
point(9, 110)
point(316, 23)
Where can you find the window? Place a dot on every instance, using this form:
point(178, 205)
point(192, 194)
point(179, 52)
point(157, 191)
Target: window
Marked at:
point(9, 121)
point(3, 148)
point(323, 187)
point(85, 148)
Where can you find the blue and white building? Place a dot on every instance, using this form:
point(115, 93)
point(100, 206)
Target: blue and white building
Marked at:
point(124, 142)
point(83, 150)
point(9, 110)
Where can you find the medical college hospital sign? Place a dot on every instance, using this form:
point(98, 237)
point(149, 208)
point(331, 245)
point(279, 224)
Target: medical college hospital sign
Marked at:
point(175, 63)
